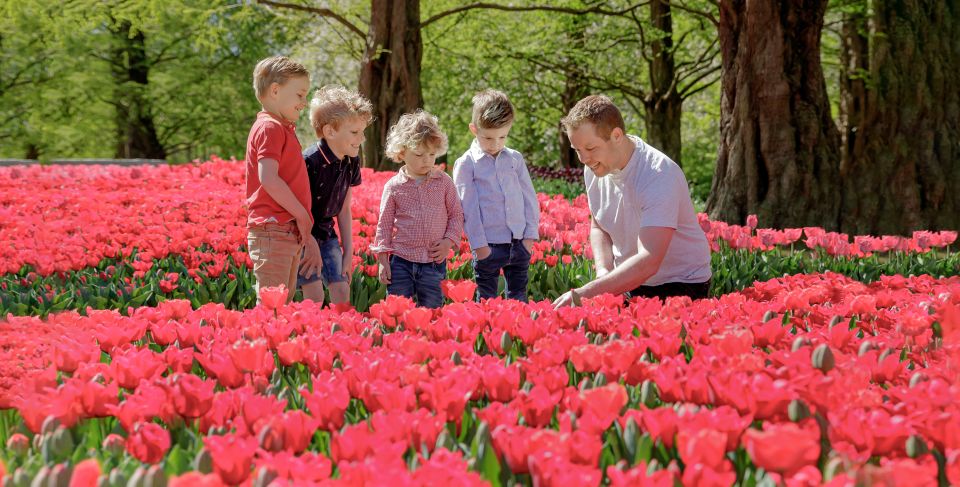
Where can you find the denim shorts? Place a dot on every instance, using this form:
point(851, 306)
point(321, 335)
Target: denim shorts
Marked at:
point(417, 281)
point(332, 255)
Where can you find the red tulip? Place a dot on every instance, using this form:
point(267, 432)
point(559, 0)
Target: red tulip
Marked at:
point(272, 298)
point(192, 396)
point(148, 442)
point(298, 430)
point(784, 448)
point(459, 291)
point(232, 456)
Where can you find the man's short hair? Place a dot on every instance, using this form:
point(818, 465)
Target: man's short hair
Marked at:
point(413, 130)
point(598, 110)
point(275, 69)
point(333, 103)
point(491, 110)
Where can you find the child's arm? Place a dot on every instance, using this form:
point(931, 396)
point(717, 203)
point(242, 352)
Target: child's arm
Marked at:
point(467, 191)
point(531, 206)
point(345, 224)
point(277, 188)
point(454, 231)
point(383, 241)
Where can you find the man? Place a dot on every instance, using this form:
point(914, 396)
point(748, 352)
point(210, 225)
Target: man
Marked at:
point(644, 232)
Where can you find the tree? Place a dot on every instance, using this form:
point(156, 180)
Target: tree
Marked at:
point(901, 169)
point(393, 52)
point(779, 146)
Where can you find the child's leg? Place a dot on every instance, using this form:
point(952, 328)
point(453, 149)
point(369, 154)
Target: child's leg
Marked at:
point(401, 277)
point(333, 277)
point(515, 272)
point(428, 277)
point(275, 252)
point(487, 271)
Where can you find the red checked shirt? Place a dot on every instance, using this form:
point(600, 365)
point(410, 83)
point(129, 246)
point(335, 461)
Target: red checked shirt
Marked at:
point(415, 216)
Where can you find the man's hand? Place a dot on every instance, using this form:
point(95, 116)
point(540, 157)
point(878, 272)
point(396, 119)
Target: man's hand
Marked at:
point(482, 253)
point(569, 298)
point(440, 249)
point(528, 244)
point(384, 273)
point(312, 263)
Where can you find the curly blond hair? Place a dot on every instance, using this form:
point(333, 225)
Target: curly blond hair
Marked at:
point(412, 131)
point(275, 69)
point(333, 103)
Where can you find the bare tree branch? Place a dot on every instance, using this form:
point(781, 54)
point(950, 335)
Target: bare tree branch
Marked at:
point(702, 13)
point(543, 8)
point(323, 12)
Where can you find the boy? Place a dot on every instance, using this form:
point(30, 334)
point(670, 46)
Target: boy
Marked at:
point(338, 117)
point(278, 191)
point(500, 207)
point(420, 214)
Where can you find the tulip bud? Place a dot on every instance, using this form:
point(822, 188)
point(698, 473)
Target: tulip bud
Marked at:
point(285, 394)
point(916, 446)
point(155, 477)
point(103, 481)
point(6, 481)
point(917, 378)
point(18, 444)
point(276, 376)
point(203, 462)
point(630, 434)
point(445, 441)
point(264, 477)
point(138, 479)
point(60, 475)
point(835, 321)
point(377, 339)
point(42, 478)
point(798, 410)
point(505, 342)
point(865, 346)
point(117, 478)
point(582, 323)
point(21, 478)
point(822, 358)
point(527, 386)
point(58, 446)
point(38, 441)
point(481, 439)
point(270, 439)
point(49, 425)
point(597, 339)
point(769, 315)
point(649, 395)
point(366, 332)
point(886, 353)
point(599, 380)
point(833, 468)
point(114, 444)
point(334, 328)
point(799, 343)
point(613, 336)
point(455, 358)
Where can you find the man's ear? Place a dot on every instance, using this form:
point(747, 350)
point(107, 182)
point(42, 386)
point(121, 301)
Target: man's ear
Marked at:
point(616, 134)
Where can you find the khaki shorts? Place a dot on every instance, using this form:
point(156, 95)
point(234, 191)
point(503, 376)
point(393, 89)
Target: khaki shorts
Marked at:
point(275, 251)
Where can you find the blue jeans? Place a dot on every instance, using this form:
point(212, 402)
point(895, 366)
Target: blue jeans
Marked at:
point(420, 282)
point(332, 271)
point(514, 259)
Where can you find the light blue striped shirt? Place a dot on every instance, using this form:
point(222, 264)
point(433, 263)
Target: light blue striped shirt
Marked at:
point(499, 202)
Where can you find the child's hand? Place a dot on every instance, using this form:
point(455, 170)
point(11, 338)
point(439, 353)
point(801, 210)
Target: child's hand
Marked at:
point(482, 253)
point(347, 266)
point(528, 244)
point(311, 263)
point(440, 249)
point(385, 274)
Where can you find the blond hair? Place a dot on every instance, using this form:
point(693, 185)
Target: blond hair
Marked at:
point(412, 131)
point(275, 69)
point(491, 110)
point(333, 103)
point(598, 110)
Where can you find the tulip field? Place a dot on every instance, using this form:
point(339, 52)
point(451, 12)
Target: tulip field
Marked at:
point(132, 353)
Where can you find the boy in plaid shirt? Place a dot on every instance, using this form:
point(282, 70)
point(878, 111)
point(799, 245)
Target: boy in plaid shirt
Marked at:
point(420, 214)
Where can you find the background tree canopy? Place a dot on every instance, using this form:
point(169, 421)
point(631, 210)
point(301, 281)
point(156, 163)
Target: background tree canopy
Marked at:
point(843, 113)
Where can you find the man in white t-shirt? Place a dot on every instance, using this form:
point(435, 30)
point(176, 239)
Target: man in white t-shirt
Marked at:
point(644, 232)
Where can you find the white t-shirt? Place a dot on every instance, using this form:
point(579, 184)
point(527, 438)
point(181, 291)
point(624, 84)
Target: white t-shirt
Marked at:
point(650, 191)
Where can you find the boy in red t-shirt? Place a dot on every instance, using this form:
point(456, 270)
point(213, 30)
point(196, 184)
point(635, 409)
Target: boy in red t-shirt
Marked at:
point(278, 189)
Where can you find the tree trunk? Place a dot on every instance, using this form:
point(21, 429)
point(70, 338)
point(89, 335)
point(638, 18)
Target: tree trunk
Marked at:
point(663, 105)
point(390, 72)
point(779, 148)
point(854, 67)
point(905, 173)
point(575, 86)
point(136, 133)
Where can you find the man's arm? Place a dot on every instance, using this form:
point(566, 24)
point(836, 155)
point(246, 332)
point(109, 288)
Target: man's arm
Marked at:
point(602, 249)
point(654, 242)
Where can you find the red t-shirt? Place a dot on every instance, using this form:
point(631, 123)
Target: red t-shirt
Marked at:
point(271, 138)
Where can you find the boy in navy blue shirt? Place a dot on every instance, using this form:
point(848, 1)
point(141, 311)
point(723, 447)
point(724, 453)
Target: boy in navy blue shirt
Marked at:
point(339, 117)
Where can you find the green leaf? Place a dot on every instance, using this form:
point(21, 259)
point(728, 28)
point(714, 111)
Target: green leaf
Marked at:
point(176, 462)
